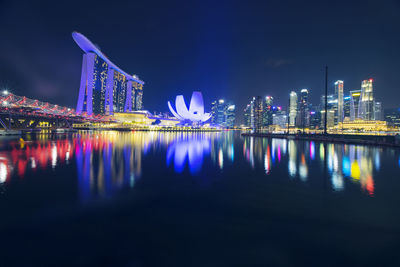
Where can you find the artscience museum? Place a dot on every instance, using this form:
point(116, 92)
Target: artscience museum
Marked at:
point(194, 114)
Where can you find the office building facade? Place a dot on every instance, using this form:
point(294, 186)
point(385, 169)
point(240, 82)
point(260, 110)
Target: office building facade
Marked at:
point(366, 106)
point(303, 116)
point(292, 108)
point(340, 100)
point(223, 113)
point(268, 111)
point(378, 112)
point(355, 97)
point(392, 116)
point(257, 111)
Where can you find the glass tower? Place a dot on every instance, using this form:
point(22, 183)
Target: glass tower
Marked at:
point(354, 104)
point(340, 100)
point(366, 106)
point(292, 108)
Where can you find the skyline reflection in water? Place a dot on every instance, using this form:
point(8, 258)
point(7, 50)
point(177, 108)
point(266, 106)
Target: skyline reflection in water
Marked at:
point(106, 162)
point(356, 163)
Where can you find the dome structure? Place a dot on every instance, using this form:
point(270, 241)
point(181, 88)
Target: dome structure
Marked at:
point(195, 113)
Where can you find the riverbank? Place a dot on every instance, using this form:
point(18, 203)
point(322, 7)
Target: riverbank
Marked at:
point(380, 140)
point(123, 129)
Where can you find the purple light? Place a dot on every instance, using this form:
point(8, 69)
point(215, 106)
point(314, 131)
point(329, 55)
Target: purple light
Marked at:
point(196, 108)
point(88, 47)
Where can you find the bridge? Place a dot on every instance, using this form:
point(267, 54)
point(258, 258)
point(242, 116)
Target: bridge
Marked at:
point(26, 114)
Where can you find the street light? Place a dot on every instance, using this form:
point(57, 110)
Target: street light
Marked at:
point(5, 92)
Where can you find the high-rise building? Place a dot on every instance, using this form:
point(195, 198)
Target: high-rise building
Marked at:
point(340, 101)
point(392, 116)
point(230, 116)
point(257, 113)
point(378, 114)
point(292, 108)
point(304, 115)
point(346, 107)
point(223, 113)
point(105, 88)
point(355, 97)
point(315, 118)
point(332, 107)
point(279, 118)
point(366, 107)
point(267, 116)
point(247, 115)
point(330, 118)
point(218, 111)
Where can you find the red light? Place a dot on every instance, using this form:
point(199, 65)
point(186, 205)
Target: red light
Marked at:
point(371, 80)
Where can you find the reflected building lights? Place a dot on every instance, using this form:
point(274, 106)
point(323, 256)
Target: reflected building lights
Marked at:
point(292, 159)
point(355, 172)
point(377, 160)
point(3, 172)
point(337, 181)
point(312, 150)
point(346, 166)
point(191, 149)
point(220, 159)
point(321, 152)
point(108, 161)
point(54, 156)
point(303, 170)
point(279, 153)
point(267, 161)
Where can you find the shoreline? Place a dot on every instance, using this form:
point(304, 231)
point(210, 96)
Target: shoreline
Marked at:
point(377, 140)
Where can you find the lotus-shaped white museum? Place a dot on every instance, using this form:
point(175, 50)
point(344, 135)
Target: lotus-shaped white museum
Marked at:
point(195, 113)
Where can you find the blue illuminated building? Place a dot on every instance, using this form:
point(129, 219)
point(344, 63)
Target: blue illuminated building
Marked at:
point(104, 87)
point(195, 113)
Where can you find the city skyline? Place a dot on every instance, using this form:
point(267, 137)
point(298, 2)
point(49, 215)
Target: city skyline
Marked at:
point(256, 54)
point(199, 133)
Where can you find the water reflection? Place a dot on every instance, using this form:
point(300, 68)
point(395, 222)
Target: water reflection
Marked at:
point(106, 162)
point(353, 162)
point(191, 148)
point(20, 157)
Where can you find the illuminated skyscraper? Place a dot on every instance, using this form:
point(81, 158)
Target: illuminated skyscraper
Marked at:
point(105, 88)
point(340, 100)
point(366, 107)
point(378, 114)
point(330, 118)
point(354, 104)
point(392, 116)
point(280, 118)
point(303, 116)
point(267, 116)
point(346, 107)
point(230, 116)
point(292, 108)
point(315, 117)
point(223, 113)
point(218, 112)
point(257, 113)
point(247, 115)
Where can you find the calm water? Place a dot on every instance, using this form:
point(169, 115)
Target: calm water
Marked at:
point(179, 199)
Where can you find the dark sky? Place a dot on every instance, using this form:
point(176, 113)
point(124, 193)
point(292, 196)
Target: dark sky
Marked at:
point(226, 49)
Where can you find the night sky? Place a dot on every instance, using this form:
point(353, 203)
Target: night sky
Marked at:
point(226, 49)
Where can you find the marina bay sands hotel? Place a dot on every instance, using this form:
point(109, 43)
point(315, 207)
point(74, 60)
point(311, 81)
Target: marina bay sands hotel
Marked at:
point(105, 88)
